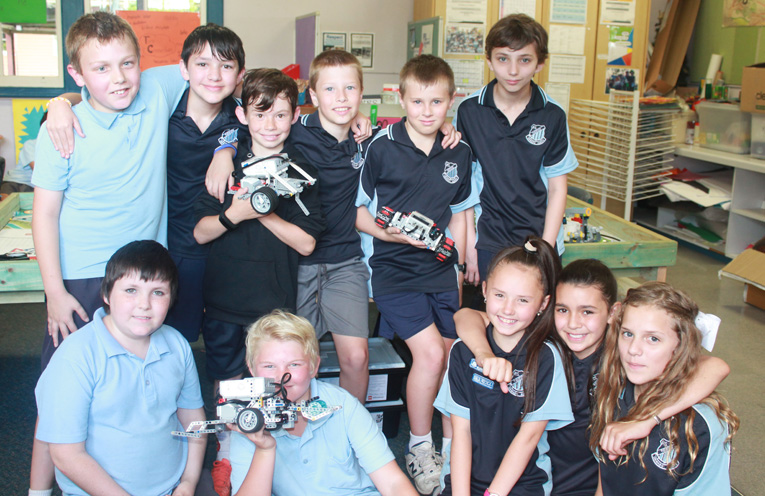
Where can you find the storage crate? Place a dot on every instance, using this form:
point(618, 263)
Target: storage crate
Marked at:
point(758, 135)
point(387, 414)
point(386, 369)
point(723, 126)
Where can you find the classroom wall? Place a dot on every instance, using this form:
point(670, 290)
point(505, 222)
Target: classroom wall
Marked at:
point(268, 31)
point(739, 47)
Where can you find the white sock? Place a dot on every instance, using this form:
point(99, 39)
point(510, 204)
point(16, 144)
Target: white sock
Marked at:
point(413, 440)
point(446, 443)
point(41, 492)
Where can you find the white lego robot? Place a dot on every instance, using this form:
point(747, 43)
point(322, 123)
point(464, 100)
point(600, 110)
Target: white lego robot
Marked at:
point(418, 227)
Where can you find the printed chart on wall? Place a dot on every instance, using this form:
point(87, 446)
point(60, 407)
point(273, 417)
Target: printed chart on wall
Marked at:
point(617, 12)
point(507, 7)
point(26, 120)
point(568, 11)
point(465, 27)
point(160, 34)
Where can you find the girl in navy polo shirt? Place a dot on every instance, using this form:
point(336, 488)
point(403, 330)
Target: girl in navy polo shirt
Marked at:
point(648, 358)
point(585, 306)
point(499, 444)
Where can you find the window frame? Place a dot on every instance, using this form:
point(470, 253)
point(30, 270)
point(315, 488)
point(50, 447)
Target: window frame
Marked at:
point(71, 10)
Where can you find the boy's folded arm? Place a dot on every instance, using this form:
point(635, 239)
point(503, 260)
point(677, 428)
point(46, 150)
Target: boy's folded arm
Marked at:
point(61, 121)
point(82, 469)
point(210, 228)
point(391, 481)
point(461, 455)
point(45, 232)
point(517, 456)
point(557, 189)
point(196, 452)
point(709, 374)
point(289, 234)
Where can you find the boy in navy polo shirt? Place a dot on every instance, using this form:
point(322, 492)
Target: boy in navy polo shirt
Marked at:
point(520, 139)
point(252, 265)
point(407, 169)
point(213, 64)
point(332, 280)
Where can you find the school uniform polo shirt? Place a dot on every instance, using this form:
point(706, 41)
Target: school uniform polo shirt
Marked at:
point(114, 184)
point(333, 457)
point(398, 175)
point(123, 407)
point(339, 165)
point(709, 477)
point(515, 162)
point(575, 470)
point(467, 393)
point(189, 153)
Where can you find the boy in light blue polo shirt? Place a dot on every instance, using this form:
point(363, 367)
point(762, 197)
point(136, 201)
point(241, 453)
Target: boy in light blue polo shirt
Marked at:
point(344, 454)
point(117, 388)
point(110, 190)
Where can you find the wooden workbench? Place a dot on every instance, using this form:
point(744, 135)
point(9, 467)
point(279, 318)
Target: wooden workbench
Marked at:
point(640, 253)
point(20, 281)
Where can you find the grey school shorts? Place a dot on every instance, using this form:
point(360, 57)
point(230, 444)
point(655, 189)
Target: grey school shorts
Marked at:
point(335, 297)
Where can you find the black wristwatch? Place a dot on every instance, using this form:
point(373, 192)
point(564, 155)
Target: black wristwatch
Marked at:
point(230, 226)
point(462, 268)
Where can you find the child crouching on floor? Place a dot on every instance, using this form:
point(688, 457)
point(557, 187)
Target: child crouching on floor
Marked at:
point(344, 453)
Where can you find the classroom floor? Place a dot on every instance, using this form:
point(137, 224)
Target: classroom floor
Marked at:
point(739, 343)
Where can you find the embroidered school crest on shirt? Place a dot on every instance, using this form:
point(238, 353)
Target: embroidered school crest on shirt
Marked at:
point(663, 455)
point(450, 173)
point(516, 384)
point(536, 134)
point(358, 158)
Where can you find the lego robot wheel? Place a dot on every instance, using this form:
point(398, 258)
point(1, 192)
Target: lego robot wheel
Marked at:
point(250, 420)
point(264, 200)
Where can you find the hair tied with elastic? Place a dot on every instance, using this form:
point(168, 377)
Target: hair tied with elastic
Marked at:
point(530, 248)
point(708, 324)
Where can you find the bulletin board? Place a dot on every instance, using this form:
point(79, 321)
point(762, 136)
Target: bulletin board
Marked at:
point(424, 37)
point(306, 41)
point(160, 34)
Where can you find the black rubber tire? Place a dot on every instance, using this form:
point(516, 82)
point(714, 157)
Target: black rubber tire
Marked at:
point(250, 420)
point(264, 200)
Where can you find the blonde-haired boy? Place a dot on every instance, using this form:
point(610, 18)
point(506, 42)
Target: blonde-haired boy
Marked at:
point(342, 454)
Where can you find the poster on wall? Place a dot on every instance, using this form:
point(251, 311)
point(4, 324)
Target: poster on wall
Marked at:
point(466, 11)
point(363, 47)
point(160, 34)
point(333, 41)
point(621, 79)
point(464, 38)
point(620, 45)
point(740, 13)
point(567, 39)
point(566, 68)
point(27, 113)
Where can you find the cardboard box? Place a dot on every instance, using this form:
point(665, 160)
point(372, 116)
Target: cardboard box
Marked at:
point(753, 88)
point(749, 268)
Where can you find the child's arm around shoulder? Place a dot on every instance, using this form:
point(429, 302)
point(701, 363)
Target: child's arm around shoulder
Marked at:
point(45, 231)
point(61, 121)
point(709, 374)
point(471, 329)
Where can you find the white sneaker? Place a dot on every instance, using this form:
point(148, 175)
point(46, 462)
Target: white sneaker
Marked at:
point(424, 467)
